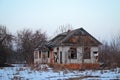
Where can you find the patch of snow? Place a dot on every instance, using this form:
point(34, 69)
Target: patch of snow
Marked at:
point(26, 73)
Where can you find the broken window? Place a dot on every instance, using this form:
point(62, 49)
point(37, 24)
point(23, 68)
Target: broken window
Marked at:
point(96, 55)
point(73, 53)
point(86, 54)
point(95, 52)
point(36, 54)
point(55, 56)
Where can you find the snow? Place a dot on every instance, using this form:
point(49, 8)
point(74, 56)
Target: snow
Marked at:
point(26, 73)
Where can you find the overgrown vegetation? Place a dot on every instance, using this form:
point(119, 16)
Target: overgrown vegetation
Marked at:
point(27, 41)
point(20, 47)
point(5, 45)
point(110, 53)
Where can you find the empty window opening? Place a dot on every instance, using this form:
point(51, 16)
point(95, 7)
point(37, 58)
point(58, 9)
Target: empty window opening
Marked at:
point(55, 56)
point(86, 54)
point(73, 53)
point(95, 53)
point(36, 54)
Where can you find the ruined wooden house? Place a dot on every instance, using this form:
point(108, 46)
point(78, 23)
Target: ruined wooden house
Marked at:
point(75, 47)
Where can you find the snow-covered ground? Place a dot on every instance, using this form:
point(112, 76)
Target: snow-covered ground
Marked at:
point(25, 73)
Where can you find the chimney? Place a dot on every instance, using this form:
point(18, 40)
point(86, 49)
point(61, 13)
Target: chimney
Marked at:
point(68, 30)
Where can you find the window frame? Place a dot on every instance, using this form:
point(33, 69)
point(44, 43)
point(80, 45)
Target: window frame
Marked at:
point(87, 53)
point(36, 55)
point(73, 53)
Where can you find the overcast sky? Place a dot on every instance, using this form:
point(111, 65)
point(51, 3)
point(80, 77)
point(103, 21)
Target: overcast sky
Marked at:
point(101, 18)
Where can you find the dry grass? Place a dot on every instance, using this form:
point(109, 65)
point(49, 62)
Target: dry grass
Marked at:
point(73, 66)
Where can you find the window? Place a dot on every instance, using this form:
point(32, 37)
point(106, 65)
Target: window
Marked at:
point(57, 48)
point(96, 54)
point(36, 54)
point(55, 56)
point(86, 54)
point(73, 53)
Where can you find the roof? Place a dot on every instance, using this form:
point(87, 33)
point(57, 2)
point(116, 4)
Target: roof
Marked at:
point(42, 47)
point(62, 38)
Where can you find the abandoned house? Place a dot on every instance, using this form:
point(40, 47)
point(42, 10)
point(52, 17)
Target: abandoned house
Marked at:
point(73, 47)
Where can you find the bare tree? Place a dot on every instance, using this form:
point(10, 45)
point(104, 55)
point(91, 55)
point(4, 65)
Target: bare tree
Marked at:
point(63, 28)
point(5, 44)
point(27, 41)
point(110, 52)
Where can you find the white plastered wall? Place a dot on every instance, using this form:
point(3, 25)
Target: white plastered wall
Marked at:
point(65, 59)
